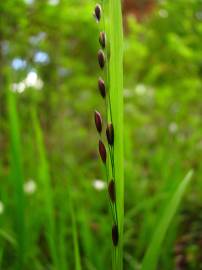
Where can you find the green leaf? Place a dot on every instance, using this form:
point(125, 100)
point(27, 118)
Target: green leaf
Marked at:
point(45, 182)
point(77, 257)
point(17, 175)
point(6, 236)
point(151, 257)
point(116, 97)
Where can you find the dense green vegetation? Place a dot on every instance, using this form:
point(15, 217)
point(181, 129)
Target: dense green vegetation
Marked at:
point(53, 208)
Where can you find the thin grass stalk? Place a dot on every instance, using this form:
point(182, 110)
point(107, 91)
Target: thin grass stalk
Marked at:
point(1, 240)
point(77, 257)
point(2, 246)
point(17, 176)
point(116, 98)
point(1, 254)
point(44, 177)
point(62, 241)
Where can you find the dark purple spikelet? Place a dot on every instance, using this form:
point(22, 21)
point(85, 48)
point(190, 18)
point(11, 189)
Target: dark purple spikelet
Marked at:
point(102, 39)
point(102, 88)
point(98, 12)
point(112, 191)
point(98, 121)
point(115, 235)
point(101, 59)
point(102, 151)
point(110, 134)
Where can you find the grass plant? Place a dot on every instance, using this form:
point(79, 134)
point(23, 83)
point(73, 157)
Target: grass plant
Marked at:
point(110, 59)
point(56, 211)
point(45, 182)
point(16, 176)
point(151, 258)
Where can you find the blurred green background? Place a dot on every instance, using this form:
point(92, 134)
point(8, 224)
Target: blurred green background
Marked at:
point(53, 207)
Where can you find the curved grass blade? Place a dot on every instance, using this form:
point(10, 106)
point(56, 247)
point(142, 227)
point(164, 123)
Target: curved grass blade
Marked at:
point(151, 257)
point(6, 236)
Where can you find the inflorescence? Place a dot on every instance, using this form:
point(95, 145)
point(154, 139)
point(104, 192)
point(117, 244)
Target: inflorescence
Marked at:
point(106, 152)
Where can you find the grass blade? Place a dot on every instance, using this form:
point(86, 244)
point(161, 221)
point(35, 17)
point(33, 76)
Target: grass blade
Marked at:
point(1, 256)
point(116, 97)
point(77, 258)
point(6, 236)
point(44, 177)
point(17, 176)
point(150, 260)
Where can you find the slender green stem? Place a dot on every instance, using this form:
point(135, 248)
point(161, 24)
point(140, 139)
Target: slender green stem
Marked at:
point(116, 98)
point(77, 257)
point(45, 179)
point(17, 176)
point(112, 25)
point(114, 216)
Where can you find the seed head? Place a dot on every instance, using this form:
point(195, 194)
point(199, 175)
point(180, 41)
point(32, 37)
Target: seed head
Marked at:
point(98, 121)
point(101, 59)
point(112, 191)
point(103, 152)
point(98, 12)
point(102, 39)
point(110, 134)
point(102, 88)
point(115, 235)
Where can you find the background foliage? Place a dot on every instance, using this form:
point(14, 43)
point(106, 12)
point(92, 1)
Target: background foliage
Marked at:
point(48, 59)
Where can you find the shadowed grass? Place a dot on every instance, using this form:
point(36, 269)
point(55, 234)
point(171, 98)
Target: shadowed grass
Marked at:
point(1, 256)
point(45, 182)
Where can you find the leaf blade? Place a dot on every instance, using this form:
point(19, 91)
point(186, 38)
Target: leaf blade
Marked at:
point(152, 254)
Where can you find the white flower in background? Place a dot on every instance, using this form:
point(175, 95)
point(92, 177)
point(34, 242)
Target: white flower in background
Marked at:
point(18, 63)
point(99, 184)
point(140, 89)
point(173, 128)
point(32, 80)
point(19, 87)
point(1, 208)
point(41, 57)
point(30, 186)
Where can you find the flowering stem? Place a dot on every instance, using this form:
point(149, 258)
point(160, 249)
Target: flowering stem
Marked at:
point(110, 61)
